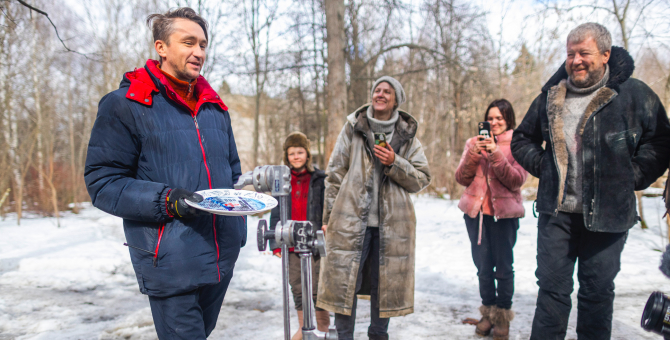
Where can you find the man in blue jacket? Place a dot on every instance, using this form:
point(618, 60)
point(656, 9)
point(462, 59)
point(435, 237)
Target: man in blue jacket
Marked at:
point(162, 135)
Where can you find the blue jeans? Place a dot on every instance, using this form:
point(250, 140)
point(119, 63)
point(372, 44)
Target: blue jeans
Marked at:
point(191, 315)
point(378, 326)
point(561, 241)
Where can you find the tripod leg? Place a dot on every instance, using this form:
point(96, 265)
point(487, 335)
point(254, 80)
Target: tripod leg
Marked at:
point(306, 280)
point(287, 319)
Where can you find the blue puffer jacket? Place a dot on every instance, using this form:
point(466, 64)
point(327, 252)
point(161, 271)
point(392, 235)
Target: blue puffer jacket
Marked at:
point(146, 141)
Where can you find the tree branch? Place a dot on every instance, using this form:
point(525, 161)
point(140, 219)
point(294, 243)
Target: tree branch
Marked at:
point(54, 26)
point(410, 46)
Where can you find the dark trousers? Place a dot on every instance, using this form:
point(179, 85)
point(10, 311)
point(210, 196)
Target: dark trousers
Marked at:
point(191, 315)
point(494, 258)
point(378, 326)
point(561, 240)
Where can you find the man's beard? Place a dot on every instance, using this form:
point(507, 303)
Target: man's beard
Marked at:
point(591, 78)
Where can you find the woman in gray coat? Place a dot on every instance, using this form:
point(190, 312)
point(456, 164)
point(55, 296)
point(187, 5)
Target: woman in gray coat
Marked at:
point(368, 213)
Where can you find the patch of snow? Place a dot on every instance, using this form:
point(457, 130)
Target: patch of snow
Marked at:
point(76, 281)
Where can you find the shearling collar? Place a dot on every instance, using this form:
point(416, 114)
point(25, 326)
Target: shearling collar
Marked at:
point(621, 66)
point(555, 104)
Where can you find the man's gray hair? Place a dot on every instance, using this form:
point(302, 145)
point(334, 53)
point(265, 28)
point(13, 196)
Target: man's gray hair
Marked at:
point(596, 31)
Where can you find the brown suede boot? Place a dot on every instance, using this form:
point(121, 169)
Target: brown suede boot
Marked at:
point(501, 318)
point(322, 320)
point(484, 326)
point(298, 334)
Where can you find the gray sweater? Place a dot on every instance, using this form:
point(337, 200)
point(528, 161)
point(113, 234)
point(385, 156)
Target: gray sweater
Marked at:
point(379, 126)
point(576, 101)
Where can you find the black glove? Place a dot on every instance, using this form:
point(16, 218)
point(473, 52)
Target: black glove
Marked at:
point(178, 208)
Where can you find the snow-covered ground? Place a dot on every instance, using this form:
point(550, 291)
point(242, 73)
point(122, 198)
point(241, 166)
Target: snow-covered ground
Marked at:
point(76, 281)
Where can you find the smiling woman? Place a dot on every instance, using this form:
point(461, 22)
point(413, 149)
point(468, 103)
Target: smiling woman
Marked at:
point(492, 206)
point(368, 214)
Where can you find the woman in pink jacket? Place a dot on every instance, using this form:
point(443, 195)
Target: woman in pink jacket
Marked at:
point(492, 205)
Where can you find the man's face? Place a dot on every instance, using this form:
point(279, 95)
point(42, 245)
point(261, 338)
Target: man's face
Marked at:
point(184, 56)
point(585, 64)
point(383, 99)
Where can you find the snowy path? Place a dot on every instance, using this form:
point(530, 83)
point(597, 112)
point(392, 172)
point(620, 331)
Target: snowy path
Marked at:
point(76, 282)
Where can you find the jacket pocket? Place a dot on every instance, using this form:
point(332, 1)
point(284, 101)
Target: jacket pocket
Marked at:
point(623, 141)
point(161, 229)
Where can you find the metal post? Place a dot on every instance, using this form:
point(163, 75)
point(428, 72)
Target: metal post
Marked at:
point(306, 280)
point(283, 215)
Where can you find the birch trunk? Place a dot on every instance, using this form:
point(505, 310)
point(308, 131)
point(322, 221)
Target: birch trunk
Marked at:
point(73, 164)
point(38, 107)
point(337, 87)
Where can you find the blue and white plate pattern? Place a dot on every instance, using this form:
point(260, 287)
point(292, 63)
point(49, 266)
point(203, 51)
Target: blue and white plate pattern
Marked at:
point(234, 202)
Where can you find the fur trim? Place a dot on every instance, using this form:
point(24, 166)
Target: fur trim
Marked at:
point(604, 95)
point(298, 139)
point(621, 68)
point(555, 104)
point(501, 317)
point(486, 311)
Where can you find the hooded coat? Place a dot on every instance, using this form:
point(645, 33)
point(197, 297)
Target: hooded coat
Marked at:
point(144, 142)
point(347, 203)
point(625, 145)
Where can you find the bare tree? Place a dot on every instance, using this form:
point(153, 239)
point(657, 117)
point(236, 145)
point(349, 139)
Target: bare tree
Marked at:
point(337, 87)
point(258, 16)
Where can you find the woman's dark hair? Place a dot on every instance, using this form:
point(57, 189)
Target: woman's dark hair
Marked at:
point(506, 111)
point(162, 24)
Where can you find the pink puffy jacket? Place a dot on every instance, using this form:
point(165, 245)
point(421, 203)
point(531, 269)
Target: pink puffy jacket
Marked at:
point(505, 177)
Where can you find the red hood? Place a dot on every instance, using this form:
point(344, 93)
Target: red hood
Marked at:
point(142, 87)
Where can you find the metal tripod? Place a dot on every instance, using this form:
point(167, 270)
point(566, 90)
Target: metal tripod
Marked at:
point(301, 235)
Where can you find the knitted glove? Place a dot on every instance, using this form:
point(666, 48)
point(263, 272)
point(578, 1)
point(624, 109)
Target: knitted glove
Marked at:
point(177, 206)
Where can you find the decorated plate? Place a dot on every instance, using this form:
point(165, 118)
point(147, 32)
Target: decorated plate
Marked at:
point(234, 202)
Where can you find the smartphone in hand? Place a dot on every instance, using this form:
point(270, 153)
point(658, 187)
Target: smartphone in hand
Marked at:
point(484, 129)
point(380, 139)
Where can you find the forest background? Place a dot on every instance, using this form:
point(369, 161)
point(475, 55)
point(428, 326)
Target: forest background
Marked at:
point(287, 65)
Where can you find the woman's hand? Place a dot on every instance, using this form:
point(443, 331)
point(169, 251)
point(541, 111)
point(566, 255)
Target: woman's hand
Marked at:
point(486, 144)
point(385, 155)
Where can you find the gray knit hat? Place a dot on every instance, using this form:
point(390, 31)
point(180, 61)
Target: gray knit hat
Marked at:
point(399, 91)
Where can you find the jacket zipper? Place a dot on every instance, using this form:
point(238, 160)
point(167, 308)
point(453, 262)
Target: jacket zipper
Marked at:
point(488, 186)
point(209, 178)
point(595, 161)
point(158, 243)
point(138, 248)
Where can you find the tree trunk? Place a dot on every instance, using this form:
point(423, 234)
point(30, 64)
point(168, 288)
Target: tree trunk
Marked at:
point(337, 87)
point(11, 135)
point(357, 76)
point(73, 164)
point(38, 109)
